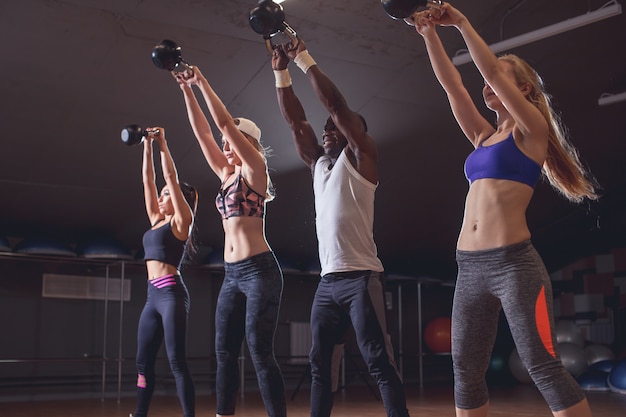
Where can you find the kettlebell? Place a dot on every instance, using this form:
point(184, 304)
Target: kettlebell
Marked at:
point(401, 9)
point(268, 19)
point(134, 135)
point(167, 55)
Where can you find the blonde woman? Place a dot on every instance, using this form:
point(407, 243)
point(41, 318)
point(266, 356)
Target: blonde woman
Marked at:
point(249, 299)
point(498, 266)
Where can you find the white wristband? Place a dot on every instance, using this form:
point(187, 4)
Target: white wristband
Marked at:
point(283, 79)
point(304, 61)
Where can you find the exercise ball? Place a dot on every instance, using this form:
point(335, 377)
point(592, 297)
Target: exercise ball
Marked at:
point(497, 364)
point(617, 377)
point(438, 335)
point(498, 373)
point(44, 246)
point(104, 248)
point(604, 366)
point(598, 353)
point(568, 332)
point(593, 380)
point(518, 369)
point(573, 358)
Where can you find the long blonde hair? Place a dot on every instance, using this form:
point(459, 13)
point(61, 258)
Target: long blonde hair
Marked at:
point(270, 192)
point(562, 166)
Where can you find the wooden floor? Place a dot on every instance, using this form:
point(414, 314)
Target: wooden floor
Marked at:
point(517, 401)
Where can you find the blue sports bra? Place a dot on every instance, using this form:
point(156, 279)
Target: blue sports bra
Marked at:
point(502, 160)
point(160, 244)
point(239, 200)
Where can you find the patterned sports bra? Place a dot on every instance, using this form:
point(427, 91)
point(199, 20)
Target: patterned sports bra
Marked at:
point(239, 200)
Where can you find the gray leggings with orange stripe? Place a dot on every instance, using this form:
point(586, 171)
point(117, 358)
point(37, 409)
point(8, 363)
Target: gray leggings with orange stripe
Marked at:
point(512, 278)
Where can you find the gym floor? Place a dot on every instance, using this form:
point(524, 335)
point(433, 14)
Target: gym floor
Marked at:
point(356, 401)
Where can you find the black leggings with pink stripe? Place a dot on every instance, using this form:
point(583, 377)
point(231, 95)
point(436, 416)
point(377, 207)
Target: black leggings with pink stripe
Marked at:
point(512, 278)
point(164, 317)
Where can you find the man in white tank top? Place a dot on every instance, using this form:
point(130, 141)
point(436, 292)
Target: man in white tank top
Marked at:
point(345, 177)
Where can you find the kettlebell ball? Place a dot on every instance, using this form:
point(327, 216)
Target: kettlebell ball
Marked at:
point(401, 9)
point(167, 55)
point(134, 135)
point(268, 19)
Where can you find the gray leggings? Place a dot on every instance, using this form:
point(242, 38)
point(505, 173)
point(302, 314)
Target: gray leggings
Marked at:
point(512, 278)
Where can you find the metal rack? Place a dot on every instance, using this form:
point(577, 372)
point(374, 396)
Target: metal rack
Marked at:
point(108, 264)
point(419, 282)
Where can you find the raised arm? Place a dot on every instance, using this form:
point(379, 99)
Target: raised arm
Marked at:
point(303, 134)
point(150, 192)
point(252, 160)
point(202, 130)
point(349, 123)
point(529, 120)
point(473, 124)
point(182, 220)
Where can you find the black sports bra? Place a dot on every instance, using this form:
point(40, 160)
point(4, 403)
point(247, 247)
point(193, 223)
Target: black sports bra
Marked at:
point(160, 244)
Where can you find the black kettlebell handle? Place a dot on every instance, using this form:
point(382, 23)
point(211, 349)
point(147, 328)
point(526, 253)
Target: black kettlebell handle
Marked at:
point(134, 134)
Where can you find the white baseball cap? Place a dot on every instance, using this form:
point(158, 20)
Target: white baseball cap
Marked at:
point(248, 127)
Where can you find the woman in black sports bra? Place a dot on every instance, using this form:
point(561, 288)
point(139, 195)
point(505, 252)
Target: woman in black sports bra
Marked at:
point(249, 299)
point(167, 244)
point(498, 267)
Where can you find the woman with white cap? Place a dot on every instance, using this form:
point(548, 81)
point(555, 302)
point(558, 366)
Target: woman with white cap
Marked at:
point(249, 299)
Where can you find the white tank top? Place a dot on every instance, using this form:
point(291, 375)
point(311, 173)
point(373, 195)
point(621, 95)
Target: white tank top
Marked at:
point(344, 217)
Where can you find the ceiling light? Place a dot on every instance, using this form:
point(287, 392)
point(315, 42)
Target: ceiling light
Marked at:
point(610, 9)
point(606, 99)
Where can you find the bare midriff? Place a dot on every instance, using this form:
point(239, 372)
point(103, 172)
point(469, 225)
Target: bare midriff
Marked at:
point(495, 214)
point(157, 269)
point(244, 237)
